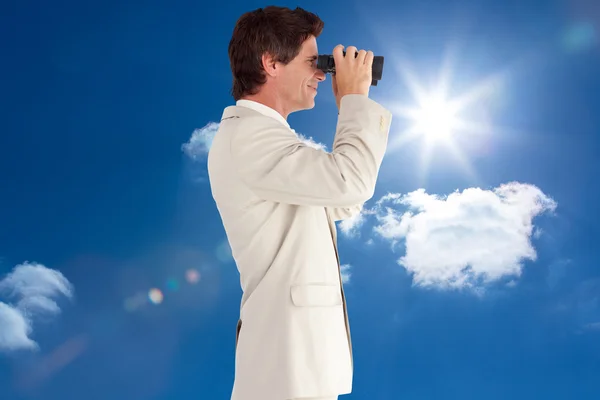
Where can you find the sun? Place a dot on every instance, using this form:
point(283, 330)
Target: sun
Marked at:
point(436, 119)
point(447, 124)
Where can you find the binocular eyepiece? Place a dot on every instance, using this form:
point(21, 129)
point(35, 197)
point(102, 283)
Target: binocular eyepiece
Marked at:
point(326, 63)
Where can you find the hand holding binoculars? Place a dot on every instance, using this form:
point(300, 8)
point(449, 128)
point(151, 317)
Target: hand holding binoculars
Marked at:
point(326, 63)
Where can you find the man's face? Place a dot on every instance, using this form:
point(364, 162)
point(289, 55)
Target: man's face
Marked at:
point(297, 84)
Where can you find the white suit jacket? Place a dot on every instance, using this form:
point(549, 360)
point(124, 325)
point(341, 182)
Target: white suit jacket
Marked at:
point(278, 199)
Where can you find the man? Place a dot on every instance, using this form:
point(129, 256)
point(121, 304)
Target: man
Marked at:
point(278, 199)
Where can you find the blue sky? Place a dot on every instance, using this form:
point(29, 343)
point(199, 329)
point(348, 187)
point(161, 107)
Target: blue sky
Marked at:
point(472, 273)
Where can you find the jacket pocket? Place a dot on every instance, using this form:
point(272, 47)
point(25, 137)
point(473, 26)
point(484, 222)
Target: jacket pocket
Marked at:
point(316, 295)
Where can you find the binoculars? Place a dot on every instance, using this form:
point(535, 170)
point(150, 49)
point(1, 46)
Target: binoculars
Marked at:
point(326, 63)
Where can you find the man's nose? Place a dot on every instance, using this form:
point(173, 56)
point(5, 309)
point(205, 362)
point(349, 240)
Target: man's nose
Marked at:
point(320, 75)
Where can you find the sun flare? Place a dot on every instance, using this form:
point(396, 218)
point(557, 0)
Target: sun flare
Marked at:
point(447, 124)
point(435, 119)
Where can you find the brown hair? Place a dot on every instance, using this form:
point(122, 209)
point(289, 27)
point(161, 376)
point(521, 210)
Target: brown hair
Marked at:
point(279, 31)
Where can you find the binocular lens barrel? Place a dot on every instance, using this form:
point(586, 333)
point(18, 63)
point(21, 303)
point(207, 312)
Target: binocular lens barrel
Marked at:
point(326, 63)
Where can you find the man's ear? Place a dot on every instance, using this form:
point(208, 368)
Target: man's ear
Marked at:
point(269, 64)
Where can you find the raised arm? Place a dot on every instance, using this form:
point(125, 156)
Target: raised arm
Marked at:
point(278, 166)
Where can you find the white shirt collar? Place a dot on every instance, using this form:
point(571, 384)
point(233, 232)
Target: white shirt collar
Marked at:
point(263, 109)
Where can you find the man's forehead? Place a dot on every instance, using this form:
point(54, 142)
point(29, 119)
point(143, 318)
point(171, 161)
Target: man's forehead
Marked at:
point(311, 54)
point(310, 48)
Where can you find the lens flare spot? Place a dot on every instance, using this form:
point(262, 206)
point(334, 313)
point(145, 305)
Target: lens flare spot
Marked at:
point(192, 276)
point(580, 36)
point(155, 296)
point(172, 284)
point(132, 303)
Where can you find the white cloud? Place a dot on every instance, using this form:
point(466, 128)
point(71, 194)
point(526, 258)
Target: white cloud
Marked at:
point(309, 141)
point(30, 290)
point(350, 227)
point(200, 141)
point(465, 239)
point(346, 274)
point(14, 329)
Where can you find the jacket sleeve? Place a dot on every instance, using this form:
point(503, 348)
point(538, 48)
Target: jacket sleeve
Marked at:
point(341, 213)
point(276, 165)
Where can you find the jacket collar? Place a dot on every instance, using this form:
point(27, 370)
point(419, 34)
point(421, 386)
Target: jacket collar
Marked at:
point(243, 105)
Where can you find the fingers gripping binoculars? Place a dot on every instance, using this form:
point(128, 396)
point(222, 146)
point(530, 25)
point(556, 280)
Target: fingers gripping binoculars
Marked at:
point(326, 63)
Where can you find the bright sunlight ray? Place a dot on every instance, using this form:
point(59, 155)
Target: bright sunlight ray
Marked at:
point(438, 120)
